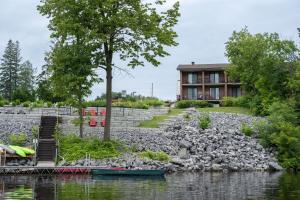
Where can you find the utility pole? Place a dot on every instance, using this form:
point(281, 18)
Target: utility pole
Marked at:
point(152, 90)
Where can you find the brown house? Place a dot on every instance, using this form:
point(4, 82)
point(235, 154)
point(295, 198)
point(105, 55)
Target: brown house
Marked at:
point(206, 82)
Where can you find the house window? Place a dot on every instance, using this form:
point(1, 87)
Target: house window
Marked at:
point(236, 92)
point(214, 77)
point(214, 93)
point(192, 93)
point(192, 78)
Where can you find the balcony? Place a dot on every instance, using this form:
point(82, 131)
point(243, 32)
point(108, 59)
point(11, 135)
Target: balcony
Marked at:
point(197, 82)
point(221, 81)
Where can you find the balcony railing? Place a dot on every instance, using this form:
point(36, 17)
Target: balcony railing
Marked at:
point(194, 82)
point(208, 81)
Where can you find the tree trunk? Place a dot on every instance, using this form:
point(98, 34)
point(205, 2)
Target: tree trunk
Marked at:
point(108, 102)
point(80, 119)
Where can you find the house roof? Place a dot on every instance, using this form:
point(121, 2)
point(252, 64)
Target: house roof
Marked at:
point(201, 67)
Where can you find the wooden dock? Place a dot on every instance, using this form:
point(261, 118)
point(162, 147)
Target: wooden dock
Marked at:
point(47, 170)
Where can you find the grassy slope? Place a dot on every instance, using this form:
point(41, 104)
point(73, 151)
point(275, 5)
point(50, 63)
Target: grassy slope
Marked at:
point(153, 123)
point(238, 110)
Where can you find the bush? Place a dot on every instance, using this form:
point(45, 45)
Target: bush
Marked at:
point(96, 103)
point(247, 130)
point(204, 121)
point(17, 139)
point(235, 101)
point(26, 104)
point(281, 132)
point(35, 131)
point(49, 104)
point(153, 102)
point(160, 156)
point(72, 148)
point(1, 103)
point(192, 103)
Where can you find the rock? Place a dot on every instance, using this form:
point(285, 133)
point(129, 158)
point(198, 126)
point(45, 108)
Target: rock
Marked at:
point(185, 144)
point(216, 167)
point(273, 166)
point(183, 153)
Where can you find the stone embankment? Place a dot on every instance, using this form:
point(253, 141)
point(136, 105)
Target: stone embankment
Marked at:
point(221, 147)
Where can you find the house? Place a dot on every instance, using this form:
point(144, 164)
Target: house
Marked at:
point(206, 82)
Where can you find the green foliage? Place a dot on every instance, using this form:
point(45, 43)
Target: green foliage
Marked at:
point(204, 121)
point(235, 101)
point(26, 104)
point(35, 131)
point(156, 120)
point(192, 103)
point(265, 65)
point(96, 103)
point(17, 139)
point(160, 156)
point(126, 103)
point(280, 132)
point(73, 148)
point(187, 116)
point(1, 104)
point(247, 130)
point(23, 94)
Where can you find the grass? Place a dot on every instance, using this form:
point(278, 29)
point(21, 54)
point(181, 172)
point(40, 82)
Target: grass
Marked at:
point(154, 122)
point(73, 148)
point(238, 110)
point(160, 156)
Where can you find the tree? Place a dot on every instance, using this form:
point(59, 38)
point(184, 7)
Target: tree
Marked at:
point(45, 90)
point(26, 81)
point(9, 69)
point(130, 30)
point(263, 63)
point(73, 73)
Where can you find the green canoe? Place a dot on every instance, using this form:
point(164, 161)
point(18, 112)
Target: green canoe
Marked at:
point(127, 172)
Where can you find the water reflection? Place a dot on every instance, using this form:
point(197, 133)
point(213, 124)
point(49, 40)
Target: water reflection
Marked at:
point(211, 186)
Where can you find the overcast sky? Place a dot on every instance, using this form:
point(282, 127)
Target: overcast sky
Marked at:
point(203, 28)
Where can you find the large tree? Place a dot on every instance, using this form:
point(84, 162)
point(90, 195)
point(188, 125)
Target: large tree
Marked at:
point(131, 30)
point(263, 63)
point(9, 69)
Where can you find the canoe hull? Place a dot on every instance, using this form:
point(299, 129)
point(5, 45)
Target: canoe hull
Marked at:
point(125, 172)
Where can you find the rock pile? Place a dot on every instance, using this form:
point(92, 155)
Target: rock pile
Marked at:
point(221, 147)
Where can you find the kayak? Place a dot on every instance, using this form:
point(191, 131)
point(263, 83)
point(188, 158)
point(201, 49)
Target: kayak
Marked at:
point(7, 149)
point(27, 150)
point(127, 172)
point(19, 150)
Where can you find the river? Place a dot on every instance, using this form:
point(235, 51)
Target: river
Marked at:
point(181, 186)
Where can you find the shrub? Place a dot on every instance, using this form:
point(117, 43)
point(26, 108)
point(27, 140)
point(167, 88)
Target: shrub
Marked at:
point(153, 102)
point(26, 104)
point(247, 130)
point(281, 132)
point(1, 103)
point(96, 103)
point(160, 156)
point(192, 103)
point(72, 147)
point(235, 101)
point(35, 131)
point(17, 139)
point(204, 121)
point(49, 104)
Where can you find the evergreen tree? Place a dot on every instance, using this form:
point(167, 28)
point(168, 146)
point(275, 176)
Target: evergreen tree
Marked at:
point(26, 76)
point(9, 69)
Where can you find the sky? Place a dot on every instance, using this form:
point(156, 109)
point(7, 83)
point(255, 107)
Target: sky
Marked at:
point(203, 29)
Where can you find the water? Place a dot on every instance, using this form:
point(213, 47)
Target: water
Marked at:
point(198, 186)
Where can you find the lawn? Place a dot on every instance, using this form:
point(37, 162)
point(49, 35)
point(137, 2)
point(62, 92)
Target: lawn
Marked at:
point(238, 110)
point(154, 122)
